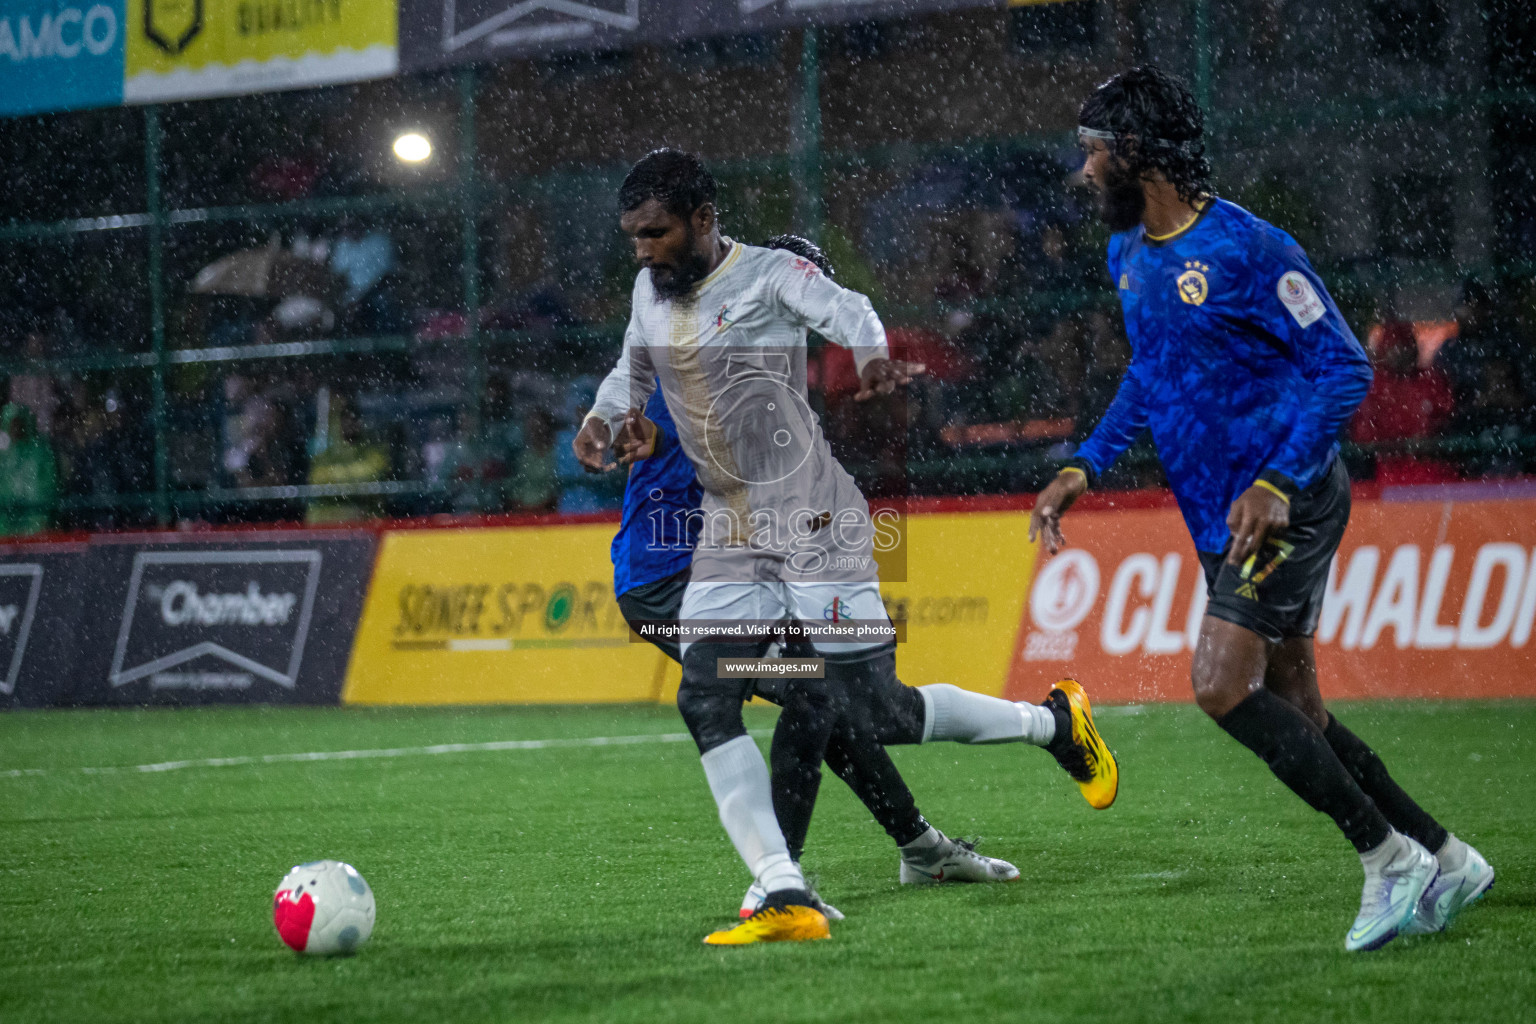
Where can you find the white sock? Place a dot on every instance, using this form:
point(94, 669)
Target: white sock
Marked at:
point(738, 777)
point(1039, 723)
point(967, 717)
point(1452, 854)
point(923, 844)
point(1376, 859)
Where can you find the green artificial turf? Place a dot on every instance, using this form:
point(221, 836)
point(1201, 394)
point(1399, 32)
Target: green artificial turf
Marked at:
point(574, 883)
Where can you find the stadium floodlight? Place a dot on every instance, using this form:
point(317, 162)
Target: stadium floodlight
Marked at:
point(413, 147)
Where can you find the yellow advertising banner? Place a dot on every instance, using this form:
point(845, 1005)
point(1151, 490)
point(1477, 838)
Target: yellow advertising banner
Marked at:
point(184, 49)
point(967, 576)
point(490, 616)
point(527, 615)
point(1426, 599)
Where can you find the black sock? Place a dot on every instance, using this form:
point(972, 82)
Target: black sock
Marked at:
point(865, 766)
point(1295, 750)
point(781, 898)
point(799, 743)
point(880, 711)
point(1400, 809)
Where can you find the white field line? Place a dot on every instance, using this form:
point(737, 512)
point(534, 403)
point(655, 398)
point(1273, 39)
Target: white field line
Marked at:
point(388, 752)
point(360, 755)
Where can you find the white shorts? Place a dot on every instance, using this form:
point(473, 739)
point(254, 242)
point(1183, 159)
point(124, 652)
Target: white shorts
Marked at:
point(772, 601)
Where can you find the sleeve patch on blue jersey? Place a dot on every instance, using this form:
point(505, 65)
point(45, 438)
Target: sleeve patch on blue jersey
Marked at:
point(1300, 298)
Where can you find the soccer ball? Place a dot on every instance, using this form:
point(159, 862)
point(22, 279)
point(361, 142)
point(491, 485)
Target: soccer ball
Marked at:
point(323, 907)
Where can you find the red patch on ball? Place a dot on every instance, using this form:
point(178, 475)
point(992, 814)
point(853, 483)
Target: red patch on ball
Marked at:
point(293, 917)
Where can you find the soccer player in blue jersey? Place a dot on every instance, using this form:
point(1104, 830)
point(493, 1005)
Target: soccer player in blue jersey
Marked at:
point(653, 549)
point(1244, 372)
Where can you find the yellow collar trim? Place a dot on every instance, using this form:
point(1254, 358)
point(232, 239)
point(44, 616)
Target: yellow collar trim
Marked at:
point(1176, 232)
point(730, 257)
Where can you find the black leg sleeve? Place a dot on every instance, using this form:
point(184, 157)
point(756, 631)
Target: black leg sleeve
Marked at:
point(880, 711)
point(1365, 766)
point(711, 706)
point(1295, 750)
point(896, 711)
point(799, 743)
point(864, 765)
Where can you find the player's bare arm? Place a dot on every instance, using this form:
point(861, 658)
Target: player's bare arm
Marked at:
point(591, 446)
point(1256, 514)
point(1052, 504)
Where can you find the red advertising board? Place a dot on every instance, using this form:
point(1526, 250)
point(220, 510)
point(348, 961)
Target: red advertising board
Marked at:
point(1425, 599)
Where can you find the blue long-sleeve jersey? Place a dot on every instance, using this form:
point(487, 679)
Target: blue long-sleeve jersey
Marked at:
point(657, 535)
point(1241, 365)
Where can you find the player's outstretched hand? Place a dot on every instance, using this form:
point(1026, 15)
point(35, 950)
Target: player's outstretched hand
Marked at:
point(637, 438)
point(883, 376)
point(1257, 513)
point(591, 446)
point(1051, 505)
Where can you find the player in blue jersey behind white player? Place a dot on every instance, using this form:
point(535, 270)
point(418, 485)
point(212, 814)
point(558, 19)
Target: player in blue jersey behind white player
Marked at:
point(1244, 371)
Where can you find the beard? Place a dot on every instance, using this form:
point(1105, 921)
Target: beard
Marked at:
point(674, 281)
point(1121, 203)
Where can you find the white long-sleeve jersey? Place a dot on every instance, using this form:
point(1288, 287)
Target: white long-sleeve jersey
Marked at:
point(731, 359)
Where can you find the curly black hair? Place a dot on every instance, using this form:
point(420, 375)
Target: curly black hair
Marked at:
point(679, 180)
point(802, 247)
point(1157, 125)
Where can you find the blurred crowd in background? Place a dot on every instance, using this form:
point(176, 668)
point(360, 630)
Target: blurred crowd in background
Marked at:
point(342, 341)
point(1020, 333)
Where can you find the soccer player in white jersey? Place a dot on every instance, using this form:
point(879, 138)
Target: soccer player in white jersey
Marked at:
point(785, 532)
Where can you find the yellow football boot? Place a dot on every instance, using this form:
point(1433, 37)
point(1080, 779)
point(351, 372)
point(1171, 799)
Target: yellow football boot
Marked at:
point(1082, 753)
point(792, 923)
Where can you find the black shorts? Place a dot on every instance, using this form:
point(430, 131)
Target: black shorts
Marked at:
point(1278, 593)
point(661, 601)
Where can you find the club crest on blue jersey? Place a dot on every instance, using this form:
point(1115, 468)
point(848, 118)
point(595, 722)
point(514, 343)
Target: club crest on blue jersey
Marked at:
point(1192, 284)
